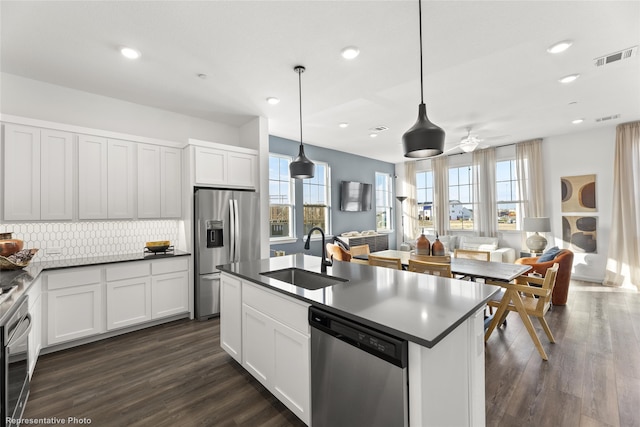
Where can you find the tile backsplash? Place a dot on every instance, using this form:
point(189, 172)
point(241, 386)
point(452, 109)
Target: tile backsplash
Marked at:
point(58, 240)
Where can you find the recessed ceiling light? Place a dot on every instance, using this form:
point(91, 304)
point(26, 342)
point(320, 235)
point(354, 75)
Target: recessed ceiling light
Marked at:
point(273, 101)
point(570, 78)
point(129, 52)
point(343, 125)
point(373, 135)
point(560, 46)
point(577, 121)
point(350, 52)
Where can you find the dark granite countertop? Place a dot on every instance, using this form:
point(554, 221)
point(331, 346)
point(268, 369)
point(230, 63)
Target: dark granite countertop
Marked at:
point(413, 306)
point(16, 283)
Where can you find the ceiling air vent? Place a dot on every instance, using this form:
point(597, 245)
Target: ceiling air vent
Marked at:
point(379, 129)
point(604, 119)
point(617, 56)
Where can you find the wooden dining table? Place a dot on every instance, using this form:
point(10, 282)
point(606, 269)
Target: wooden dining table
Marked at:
point(473, 268)
point(499, 273)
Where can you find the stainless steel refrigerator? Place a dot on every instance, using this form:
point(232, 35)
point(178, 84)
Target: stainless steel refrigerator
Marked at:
point(227, 229)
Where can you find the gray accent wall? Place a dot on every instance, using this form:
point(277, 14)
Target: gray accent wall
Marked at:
point(344, 167)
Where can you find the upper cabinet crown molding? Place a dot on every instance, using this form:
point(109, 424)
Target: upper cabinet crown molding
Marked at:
point(27, 121)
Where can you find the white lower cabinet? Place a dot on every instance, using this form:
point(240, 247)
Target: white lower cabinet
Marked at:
point(270, 333)
point(231, 321)
point(35, 336)
point(169, 294)
point(74, 312)
point(128, 302)
point(86, 301)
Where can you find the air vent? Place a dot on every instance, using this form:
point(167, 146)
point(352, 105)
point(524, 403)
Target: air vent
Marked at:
point(379, 129)
point(604, 119)
point(617, 56)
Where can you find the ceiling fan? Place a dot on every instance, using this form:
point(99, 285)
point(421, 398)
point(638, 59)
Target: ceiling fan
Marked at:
point(468, 143)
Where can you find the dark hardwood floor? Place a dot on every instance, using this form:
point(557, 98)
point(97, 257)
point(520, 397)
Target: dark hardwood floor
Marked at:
point(177, 374)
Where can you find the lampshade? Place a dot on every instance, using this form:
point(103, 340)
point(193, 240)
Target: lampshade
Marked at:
point(536, 243)
point(540, 225)
point(301, 167)
point(424, 139)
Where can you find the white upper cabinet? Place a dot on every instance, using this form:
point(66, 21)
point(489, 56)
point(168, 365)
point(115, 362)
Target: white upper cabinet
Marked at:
point(170, 182)
point(148, 181)
point(120, 179)
point(38, 174)
point(106, 180)
point(233, 167)
point(21, 173)
point(92, 177)
point(56, 168)
point(159, 182)
point(242, 170)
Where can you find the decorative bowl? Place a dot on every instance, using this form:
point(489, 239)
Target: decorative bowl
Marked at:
point(158, 246)
point(18, 260)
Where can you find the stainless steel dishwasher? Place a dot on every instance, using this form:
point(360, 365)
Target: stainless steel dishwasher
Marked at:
point(358, 374)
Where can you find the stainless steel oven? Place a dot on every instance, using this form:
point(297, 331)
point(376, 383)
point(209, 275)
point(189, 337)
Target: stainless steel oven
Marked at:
point(14, 363)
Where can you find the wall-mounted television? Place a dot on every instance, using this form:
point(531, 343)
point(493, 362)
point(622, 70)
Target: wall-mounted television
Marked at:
point(355, 196)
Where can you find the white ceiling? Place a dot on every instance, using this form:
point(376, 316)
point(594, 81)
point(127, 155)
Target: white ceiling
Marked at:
point(486, 65)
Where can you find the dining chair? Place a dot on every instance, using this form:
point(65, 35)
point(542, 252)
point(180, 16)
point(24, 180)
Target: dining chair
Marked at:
point(432, 268)
point(535, 295)
point(359, 250)
point(470, 254)
point(444, 259)
point(337, 253)
point(381, 261)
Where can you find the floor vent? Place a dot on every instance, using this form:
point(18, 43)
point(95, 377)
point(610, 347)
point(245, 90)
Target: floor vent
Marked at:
point(604, 119)
point(617, 56)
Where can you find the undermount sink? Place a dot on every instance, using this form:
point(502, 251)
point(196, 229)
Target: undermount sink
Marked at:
point(303, 278)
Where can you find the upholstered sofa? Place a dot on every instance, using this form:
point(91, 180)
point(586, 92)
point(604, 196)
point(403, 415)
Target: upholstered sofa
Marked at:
point(489, 244)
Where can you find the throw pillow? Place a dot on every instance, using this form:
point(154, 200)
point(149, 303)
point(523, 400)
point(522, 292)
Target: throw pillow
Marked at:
point(550, 254)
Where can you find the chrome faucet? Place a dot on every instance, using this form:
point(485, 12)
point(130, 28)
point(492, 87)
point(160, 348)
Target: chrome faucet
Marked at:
point(324, 263)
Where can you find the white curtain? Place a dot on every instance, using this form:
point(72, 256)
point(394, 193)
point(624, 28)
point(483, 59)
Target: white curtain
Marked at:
point(530, 178)
point(440, 209)
point(410, 205)
point(485, 216)
point(623, 263)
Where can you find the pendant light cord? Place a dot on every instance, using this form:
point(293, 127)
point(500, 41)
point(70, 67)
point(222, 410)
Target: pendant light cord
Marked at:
point(300, 70)
point(421, 72)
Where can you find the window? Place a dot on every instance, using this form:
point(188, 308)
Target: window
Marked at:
point(316, 199)
point(509, 204)
point(384, 203)
point(424, 194)
point(281, 204)
point(460, 198)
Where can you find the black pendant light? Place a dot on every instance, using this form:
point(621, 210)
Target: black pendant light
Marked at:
point(424, 139)
point(301, 167)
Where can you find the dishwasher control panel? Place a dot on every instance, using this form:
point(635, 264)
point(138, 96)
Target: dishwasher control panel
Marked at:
point(370, 340)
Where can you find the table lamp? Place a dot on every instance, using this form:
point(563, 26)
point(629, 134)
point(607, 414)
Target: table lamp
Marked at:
point(536, 243)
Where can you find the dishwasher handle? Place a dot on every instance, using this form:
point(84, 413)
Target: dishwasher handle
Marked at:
point(392, 349)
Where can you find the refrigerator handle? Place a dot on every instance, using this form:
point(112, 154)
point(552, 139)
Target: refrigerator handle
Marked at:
point(237, 232)
point(232, 230)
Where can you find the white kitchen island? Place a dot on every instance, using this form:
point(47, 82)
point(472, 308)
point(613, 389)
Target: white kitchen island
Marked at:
point(264, 326)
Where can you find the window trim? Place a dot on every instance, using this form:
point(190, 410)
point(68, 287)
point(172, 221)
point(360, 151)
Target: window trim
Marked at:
point(389, 207)
point(291, 238)
point(328, 217)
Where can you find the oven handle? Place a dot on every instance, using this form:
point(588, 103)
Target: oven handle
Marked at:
point(21, 330)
